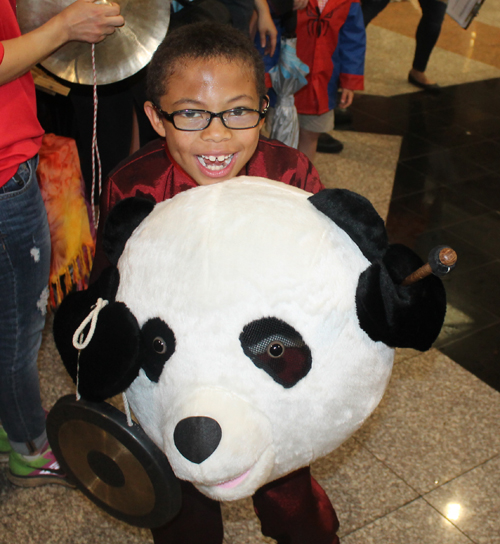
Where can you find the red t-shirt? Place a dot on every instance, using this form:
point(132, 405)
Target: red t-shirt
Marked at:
point(20, 131)
point(151, 173)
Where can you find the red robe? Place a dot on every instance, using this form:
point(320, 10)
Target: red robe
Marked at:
point(332, 43)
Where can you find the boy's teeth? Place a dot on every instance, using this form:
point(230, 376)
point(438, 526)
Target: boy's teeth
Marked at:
point(215, 163)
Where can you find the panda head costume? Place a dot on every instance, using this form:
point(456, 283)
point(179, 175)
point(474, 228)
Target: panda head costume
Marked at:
point(251, 324)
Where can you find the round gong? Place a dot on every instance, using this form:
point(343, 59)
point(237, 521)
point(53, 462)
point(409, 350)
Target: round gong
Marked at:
point(118, 467)
point(118, 56)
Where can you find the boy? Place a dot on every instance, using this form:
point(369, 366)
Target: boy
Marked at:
point(208, 103)
point(203, 67)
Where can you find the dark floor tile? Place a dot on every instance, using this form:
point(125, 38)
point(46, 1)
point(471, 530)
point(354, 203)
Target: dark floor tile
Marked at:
point(442, 207)
point(485, 154)
point(483, 232)
point(463, 321)
point(364, 122)
point(489, 128)
point(403, 226)
point(414, 146)
point(446, 167)
point(478, 287)
point(408, 181)
point(485, 190)
point(451, 136)
point(469, 257)
point(480, 354)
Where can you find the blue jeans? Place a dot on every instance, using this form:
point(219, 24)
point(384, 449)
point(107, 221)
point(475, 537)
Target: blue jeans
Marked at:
point(24, 278)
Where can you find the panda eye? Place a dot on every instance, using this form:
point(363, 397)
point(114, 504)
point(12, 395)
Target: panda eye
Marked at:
point(157, 346)
point(278, 349)
point(275, 350)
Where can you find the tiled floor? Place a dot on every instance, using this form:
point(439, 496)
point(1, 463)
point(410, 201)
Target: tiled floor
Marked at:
point(426, 466)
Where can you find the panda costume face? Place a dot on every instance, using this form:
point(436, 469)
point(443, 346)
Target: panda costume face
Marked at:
point(251, 324)
point(255, 315)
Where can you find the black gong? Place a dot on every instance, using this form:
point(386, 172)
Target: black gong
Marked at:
point(116, 466)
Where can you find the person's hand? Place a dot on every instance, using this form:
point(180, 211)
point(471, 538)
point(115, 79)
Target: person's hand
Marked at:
point(266, 28)
point(86, 21)
point(300, 4)
point(346, 98)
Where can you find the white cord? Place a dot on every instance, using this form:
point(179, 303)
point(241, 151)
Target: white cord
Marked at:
point(127, 410)
point(78, 338)
point(93, 315)
point(95, 149)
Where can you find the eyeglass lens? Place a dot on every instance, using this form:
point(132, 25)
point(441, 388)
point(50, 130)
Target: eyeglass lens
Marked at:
point(198, 120)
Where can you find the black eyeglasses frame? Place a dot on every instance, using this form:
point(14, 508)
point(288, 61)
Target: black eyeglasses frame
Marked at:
point(170, 116)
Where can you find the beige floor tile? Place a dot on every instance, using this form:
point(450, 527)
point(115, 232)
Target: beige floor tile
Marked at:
point(386, 73)
point(472, 502)
point(415, 522)
point(360, 487)
point(366, 166)
point(241, 525)
point(402, 354)
point(435, 422)
point(57, 515)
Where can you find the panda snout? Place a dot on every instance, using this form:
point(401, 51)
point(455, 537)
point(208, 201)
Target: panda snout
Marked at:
point(197, 438)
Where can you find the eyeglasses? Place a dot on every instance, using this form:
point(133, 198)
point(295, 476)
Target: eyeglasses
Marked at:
point(235, 119)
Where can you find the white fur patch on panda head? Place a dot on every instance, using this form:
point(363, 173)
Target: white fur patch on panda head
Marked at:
point(254, 363)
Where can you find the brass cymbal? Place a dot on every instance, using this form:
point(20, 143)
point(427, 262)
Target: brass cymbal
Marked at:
point(120, 55)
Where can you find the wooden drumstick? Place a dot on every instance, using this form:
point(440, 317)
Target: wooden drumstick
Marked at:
point(441, 261)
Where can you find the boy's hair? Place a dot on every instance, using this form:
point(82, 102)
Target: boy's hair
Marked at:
point(203, 41)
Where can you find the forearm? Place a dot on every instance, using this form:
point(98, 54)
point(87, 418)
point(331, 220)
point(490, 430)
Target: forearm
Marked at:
point(80, 21)
point(21, 54)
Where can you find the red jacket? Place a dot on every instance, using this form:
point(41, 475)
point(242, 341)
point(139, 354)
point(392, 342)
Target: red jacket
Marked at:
point(151, 173)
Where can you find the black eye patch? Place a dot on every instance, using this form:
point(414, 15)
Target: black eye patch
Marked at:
point(278, 349)
point(157, 346)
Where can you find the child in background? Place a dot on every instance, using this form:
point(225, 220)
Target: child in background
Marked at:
point(331, 40)
point(208, 102)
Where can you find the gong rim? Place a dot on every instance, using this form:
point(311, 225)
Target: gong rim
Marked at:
point(115, 455)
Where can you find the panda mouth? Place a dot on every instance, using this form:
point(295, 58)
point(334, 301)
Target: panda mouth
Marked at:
point(234, 482)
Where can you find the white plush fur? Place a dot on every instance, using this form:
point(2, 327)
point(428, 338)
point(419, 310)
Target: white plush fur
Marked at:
point(210, 261)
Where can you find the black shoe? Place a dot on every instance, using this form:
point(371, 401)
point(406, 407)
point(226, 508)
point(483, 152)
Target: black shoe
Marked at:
point(432, 88)
point(328, 144)
point(343, 116)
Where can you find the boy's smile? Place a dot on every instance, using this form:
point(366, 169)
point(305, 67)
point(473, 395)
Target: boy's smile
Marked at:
point(216, 153)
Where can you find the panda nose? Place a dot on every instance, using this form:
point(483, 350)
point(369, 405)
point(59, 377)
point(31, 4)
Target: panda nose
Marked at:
point(197, 438)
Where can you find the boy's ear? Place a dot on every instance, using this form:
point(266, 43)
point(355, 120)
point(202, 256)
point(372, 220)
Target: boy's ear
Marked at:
point(264, 108)
point(154, 118)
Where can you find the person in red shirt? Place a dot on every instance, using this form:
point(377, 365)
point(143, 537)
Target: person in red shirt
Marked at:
point(208, 102)
point(24, 232)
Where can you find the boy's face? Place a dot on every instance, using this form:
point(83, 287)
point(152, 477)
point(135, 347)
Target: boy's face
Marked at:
point(215, 85)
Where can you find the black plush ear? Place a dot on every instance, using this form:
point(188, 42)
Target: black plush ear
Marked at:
point(356, 215)
point(110, 363)
point(405, 317)
point(410, 316)
point(121, 222)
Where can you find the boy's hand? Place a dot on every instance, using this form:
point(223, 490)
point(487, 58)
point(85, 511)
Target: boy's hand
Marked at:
point(346, 98)
point(91, 22)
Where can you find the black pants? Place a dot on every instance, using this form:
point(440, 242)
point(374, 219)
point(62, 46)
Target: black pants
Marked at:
point(428, 29)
